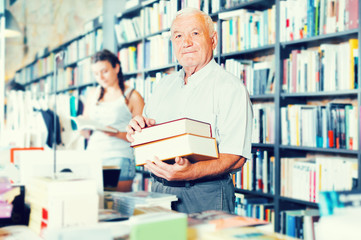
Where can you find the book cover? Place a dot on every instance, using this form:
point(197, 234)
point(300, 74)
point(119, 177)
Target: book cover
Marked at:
point(84, 123)
point(244, 233)
point(170, 129)
point(194, 147)
point(222, 220)
point(160, 226)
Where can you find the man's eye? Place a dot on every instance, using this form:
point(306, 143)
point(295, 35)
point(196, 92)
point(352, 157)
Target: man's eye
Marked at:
point(195, 33)
point(178, 36)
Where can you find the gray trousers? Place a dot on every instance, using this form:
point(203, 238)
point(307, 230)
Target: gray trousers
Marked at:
point(211, 195)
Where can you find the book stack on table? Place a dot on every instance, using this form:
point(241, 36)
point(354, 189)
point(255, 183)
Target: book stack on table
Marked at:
point(182, 137)
point(7, 195)
point(126, 202)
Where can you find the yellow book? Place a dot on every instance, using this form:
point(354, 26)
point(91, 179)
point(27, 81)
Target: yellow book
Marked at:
point(353, 46)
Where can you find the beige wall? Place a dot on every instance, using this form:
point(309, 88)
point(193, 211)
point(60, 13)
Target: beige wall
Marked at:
point(49, 23)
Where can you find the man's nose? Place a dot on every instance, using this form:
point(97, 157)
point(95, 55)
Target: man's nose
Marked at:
point(187, 41)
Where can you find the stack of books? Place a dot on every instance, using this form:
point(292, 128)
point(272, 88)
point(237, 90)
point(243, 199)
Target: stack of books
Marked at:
point(7, 195)
point(126, 202)
point(182, 137)
point(61, 203)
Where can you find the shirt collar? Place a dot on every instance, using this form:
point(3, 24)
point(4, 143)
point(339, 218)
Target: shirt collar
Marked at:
point(199, 75)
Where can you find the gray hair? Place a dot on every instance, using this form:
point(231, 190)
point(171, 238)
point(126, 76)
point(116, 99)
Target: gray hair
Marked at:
point(194, 11)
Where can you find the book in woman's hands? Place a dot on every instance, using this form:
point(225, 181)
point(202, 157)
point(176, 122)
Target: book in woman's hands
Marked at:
point(170, 129)
point(85, 123)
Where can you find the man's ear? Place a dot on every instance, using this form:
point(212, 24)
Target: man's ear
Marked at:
point(214, 40)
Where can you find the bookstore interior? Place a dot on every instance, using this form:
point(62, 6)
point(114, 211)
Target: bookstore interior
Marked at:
point(300, 180)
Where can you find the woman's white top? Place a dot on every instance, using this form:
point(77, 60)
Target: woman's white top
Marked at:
point(117, 115)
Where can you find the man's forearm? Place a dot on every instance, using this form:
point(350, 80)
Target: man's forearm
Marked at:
point(226, 163)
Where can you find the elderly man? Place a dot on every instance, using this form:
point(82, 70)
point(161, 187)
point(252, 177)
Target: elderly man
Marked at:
point(204, 91)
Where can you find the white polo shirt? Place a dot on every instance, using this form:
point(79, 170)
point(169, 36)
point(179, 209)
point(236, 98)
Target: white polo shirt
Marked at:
point(211, 95)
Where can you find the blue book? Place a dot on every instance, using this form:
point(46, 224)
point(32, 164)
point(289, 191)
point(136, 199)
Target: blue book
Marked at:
point(310, 18)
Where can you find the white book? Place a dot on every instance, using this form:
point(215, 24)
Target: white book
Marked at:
point(171, 129)
point(85, 123)
point(191, 146)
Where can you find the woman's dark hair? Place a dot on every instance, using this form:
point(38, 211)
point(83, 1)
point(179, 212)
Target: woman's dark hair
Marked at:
point(106, 55)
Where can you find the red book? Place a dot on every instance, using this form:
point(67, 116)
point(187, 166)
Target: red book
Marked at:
point(353, 14)
point(331, 143)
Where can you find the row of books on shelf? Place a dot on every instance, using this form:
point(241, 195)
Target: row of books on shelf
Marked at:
point(300, 224)
point(41, 87)
point(69, 77)
point(128, 29)
point(333, 125)
point(300, 19)
point(245, 29)
point(263, 130)
point(156, 51)
point(84, 47)
point(75, 51)
point(329, 67)
point(159, 16)
point(74, 76)
point(146, 86)
point(132, 58)
point(305, 178)
point(301, 178)
point(255, 207)
point(258, 76)
point(152, 19)
point(258, 173)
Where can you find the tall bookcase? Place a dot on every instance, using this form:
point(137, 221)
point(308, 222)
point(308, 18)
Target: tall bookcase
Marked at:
point(53, 87)
point(278, 47)
point(38, 75)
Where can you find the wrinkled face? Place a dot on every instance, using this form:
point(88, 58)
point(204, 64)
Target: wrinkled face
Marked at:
point(105, 74)
point(193, 46)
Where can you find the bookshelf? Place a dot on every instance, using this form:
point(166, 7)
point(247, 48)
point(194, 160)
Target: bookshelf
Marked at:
point(73, 78)
point(37, 76)
point(276, 46)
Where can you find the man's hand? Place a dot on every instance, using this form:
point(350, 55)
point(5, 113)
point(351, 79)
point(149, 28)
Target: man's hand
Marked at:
point(184, 170)
point(172, 172)
point(136, 124)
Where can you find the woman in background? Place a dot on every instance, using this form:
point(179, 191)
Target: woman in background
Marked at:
point(112, 104)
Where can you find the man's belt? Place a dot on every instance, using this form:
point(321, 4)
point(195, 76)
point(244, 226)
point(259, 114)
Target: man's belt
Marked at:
point(190, 182)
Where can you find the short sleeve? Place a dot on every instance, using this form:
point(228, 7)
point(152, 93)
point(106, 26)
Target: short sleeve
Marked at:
point(234, 120)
